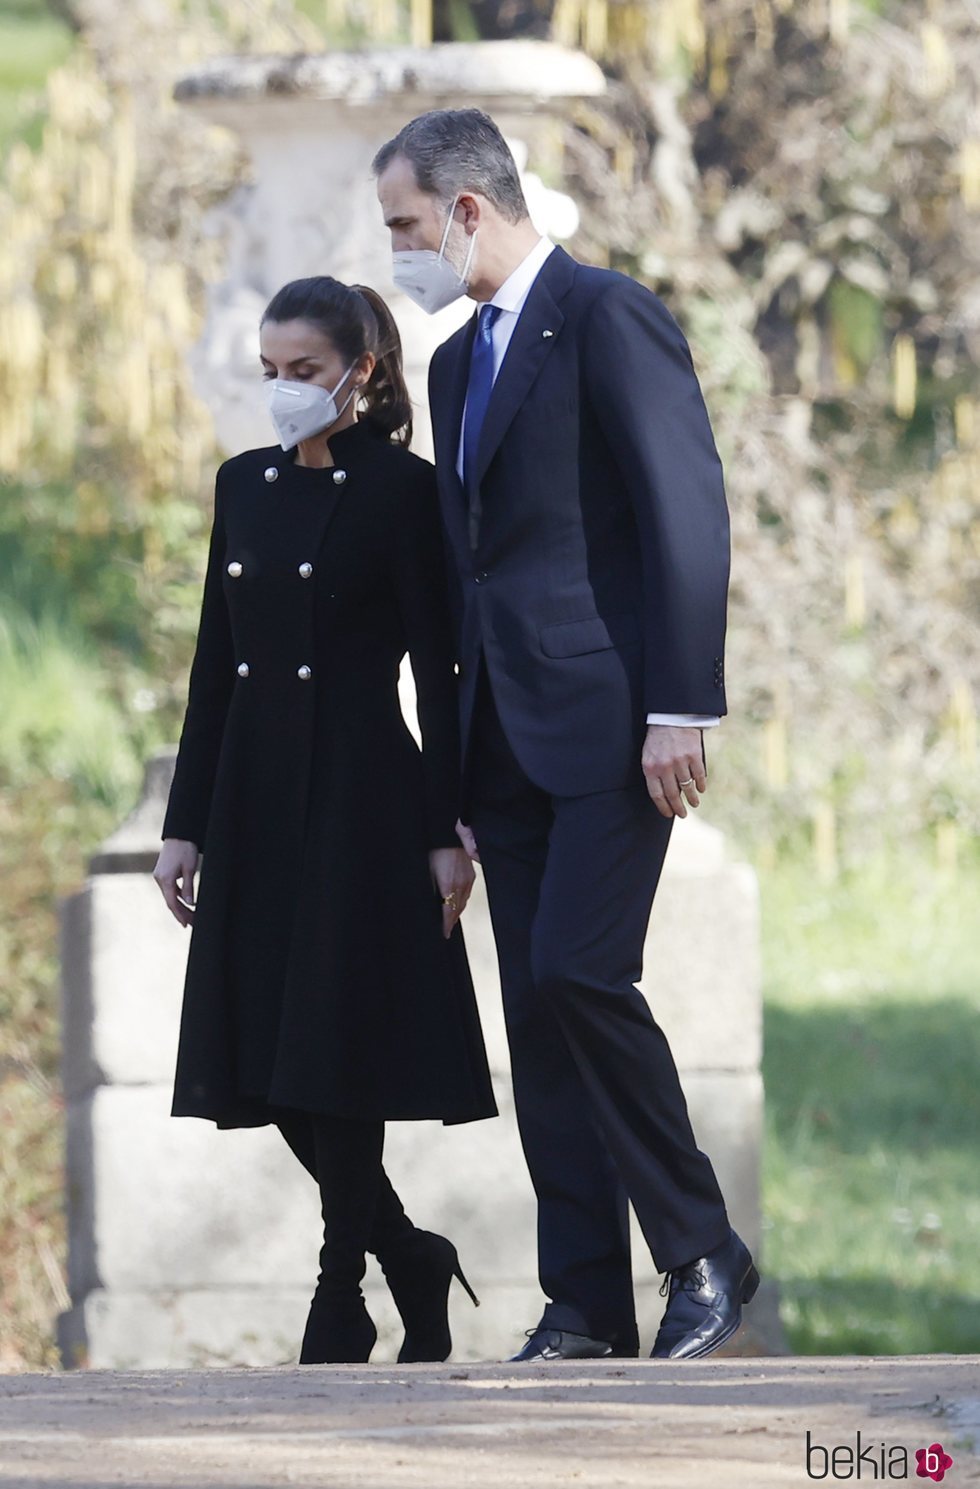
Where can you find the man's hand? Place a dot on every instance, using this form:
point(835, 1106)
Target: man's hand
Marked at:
point(177, 864)
point(674, 768)
point(452, 874)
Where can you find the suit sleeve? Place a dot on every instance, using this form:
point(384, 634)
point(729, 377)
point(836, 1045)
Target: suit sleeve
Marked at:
point(645, 393)
point(419, 574)
point(208, 695)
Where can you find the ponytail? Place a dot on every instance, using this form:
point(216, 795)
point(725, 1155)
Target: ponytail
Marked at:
point(387, 404)
point(356, 320)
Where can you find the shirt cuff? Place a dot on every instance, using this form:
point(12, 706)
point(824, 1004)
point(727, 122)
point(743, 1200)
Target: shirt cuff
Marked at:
point(684, 720)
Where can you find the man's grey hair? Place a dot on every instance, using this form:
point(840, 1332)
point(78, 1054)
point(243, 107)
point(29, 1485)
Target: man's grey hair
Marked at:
point(456, 150)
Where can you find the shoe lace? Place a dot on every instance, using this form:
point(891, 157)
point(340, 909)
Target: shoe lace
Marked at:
point(688, 1277)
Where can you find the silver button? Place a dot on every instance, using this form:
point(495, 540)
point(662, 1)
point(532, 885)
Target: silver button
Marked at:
point(546, 334)
point(339, 477)
point(304, 672)
point(305, 570)
point(234, 569)
point(271, 473)
point(243, 669)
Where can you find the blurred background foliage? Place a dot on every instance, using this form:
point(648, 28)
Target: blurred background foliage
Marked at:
point(801, 182)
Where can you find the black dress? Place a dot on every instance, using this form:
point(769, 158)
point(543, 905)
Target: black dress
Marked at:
point(317, 973)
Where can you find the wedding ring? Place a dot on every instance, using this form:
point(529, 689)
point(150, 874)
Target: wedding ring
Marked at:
point(686, 783)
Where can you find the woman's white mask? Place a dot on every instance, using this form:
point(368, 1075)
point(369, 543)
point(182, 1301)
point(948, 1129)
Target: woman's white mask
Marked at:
point(427, 277)
point(300, 410)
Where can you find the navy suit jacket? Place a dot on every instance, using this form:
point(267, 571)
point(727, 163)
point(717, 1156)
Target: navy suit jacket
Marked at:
point(597, 585)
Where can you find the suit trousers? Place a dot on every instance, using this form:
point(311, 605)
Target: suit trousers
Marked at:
point(602, 1116)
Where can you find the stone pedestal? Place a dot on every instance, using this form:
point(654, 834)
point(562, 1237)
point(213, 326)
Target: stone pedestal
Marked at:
point(190, 1245)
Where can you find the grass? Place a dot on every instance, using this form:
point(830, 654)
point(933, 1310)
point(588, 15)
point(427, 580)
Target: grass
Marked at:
point(33, 41)
point(872, 1054)
point(60, 719)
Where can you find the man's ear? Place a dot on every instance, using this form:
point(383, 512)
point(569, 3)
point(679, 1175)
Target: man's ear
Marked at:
point(472, 206)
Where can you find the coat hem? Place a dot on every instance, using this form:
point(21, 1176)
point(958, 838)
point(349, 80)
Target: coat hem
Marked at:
point(262, 1113)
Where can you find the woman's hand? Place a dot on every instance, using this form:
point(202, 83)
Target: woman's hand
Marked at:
point(452, 873)
point(177, 864)
point(465, 835)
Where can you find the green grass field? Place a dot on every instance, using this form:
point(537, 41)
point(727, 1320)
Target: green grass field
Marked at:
point(872, 1073)
point(32, 42)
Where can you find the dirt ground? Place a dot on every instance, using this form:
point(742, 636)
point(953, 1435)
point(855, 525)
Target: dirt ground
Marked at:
point(724, 1422)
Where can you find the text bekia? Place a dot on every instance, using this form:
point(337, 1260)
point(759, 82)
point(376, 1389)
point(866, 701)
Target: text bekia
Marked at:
point(873, 1461)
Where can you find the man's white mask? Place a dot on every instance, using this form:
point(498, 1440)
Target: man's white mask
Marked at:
point(427, 277)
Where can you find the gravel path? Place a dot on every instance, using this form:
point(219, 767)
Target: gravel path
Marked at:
point(718, 1422)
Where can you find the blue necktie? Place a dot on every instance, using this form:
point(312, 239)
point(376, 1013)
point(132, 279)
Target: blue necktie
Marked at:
point(478, 388)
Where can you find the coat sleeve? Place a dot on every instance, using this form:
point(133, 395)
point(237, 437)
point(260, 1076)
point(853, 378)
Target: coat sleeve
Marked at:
point(208, 695)
point(455, 591)
point(418, 564)
point(645, 394)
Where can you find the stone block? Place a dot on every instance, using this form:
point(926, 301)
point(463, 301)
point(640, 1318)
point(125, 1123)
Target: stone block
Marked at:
point(165, 1203)
point(701, 971)
point(123, 957)
point(177, 1328)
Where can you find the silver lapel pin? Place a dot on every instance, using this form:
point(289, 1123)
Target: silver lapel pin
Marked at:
point(546, 334)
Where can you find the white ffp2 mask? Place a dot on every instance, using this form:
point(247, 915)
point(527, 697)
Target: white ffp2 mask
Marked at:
point(300, 410)
point(427, 278)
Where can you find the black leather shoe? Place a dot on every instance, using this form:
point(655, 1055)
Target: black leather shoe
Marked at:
point(705, 1304)
point(557, 1344)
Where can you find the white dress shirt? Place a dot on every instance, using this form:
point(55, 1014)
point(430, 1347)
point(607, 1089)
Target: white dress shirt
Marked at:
point(510, 298)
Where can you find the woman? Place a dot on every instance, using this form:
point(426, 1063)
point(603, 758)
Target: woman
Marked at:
point(327, 986)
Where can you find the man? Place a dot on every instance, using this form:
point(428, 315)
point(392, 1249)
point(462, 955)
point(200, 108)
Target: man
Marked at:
point(585, 517)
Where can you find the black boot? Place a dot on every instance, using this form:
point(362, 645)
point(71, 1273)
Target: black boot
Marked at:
point(419, 1270)
point(339, 1329)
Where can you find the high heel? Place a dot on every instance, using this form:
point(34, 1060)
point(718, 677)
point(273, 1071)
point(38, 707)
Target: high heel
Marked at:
point(458, 1273)
point(419, 1272)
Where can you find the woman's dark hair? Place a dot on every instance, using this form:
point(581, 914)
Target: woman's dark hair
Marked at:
point(355, 320)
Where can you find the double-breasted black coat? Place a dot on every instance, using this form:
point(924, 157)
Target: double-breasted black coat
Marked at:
point(317, 972)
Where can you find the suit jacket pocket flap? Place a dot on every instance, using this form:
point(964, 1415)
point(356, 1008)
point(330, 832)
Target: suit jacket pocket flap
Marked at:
point(572, 638)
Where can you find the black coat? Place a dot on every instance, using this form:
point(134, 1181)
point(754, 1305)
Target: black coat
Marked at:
point(598, 583)
point(317, 972)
